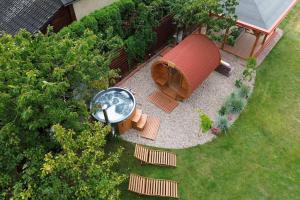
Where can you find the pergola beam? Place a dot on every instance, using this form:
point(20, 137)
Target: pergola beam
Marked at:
point(225, 38)
point(257, 35)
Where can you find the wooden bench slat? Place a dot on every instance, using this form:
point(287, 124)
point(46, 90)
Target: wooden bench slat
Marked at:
point(172, 189)
point(167, 187)
point(175, 191)
point(130, 183)
point(150, 157)
point(153, 185)
point(142, 185)
point(163, 188)
point(147, 186)
point(143, 154)
point(156, 188)
point(174, 160)
point(136, 183)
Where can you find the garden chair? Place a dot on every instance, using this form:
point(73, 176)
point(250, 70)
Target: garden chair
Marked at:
point(152, 187)
point(155, 157)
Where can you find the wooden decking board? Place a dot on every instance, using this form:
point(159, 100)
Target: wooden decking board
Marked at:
point(163, 102)
point(142, 122)
point(137, 116)
point(151, 128)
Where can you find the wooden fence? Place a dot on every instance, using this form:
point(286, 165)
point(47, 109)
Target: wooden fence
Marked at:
point(164, 31)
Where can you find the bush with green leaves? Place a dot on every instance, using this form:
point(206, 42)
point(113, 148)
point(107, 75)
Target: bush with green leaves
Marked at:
point(244, 91)
point(147, 19)
point(223, 123)
point(238, 83)
point(129, 21)
point(231, 40)
point(223, 110)
point(205, 122)
point(250, 70)
point(235, 104)
point(235, 32)
point(100, 20)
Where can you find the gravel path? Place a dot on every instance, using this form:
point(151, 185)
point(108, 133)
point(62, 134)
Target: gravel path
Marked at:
point(180, 129)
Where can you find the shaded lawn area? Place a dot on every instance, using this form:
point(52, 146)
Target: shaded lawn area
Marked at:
point(260, 157)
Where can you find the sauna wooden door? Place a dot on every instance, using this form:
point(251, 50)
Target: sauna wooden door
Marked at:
point(175, 79)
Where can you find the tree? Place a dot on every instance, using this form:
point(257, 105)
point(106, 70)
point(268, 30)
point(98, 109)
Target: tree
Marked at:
point(215, 15)
point(81, 170)
point(45, 80)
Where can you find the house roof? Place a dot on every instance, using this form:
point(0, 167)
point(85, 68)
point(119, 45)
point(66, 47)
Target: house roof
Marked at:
point(265, 15)
point(31, 15)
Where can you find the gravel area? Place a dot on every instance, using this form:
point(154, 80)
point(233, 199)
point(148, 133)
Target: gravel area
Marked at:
point(180, 129)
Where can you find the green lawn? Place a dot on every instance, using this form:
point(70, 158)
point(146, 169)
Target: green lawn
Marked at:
point(260, 157)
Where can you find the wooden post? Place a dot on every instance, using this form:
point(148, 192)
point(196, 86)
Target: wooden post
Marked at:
point(207, 29)
point(225, 38)
point(257, 34)
point(200, 29)
point(265, 39)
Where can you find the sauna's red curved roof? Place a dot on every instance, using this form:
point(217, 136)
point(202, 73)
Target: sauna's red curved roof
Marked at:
point(195, 57)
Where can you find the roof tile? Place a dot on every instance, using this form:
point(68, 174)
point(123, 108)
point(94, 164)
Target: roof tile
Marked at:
point(26, 14)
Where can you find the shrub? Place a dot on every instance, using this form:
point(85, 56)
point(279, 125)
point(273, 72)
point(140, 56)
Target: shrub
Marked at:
point(138, 44)
point(126, 7)
point(140, 17)
point(250, 69)
point(77, 29)
point(216, 38)
point(244, 91)
point(235, 104)
point(238, 83)
point(223, 123)
point(205, 122)
point(231, 40)
point(223, 110)
point(90, 22)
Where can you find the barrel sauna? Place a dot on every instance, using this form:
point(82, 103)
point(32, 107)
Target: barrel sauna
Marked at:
point(181, 70)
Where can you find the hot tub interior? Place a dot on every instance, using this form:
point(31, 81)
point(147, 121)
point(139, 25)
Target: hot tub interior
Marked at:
point(119, 104)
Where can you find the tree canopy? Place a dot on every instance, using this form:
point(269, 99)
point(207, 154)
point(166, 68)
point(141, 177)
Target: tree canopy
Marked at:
point(193, 13)
point(46, 80)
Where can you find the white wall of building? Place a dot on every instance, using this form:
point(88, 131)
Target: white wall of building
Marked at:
point(85, 7)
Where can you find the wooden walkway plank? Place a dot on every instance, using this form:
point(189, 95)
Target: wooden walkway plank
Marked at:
point(163, 101)
point(151, 128)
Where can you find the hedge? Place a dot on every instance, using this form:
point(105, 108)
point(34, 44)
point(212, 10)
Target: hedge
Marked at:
point(133, 21)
